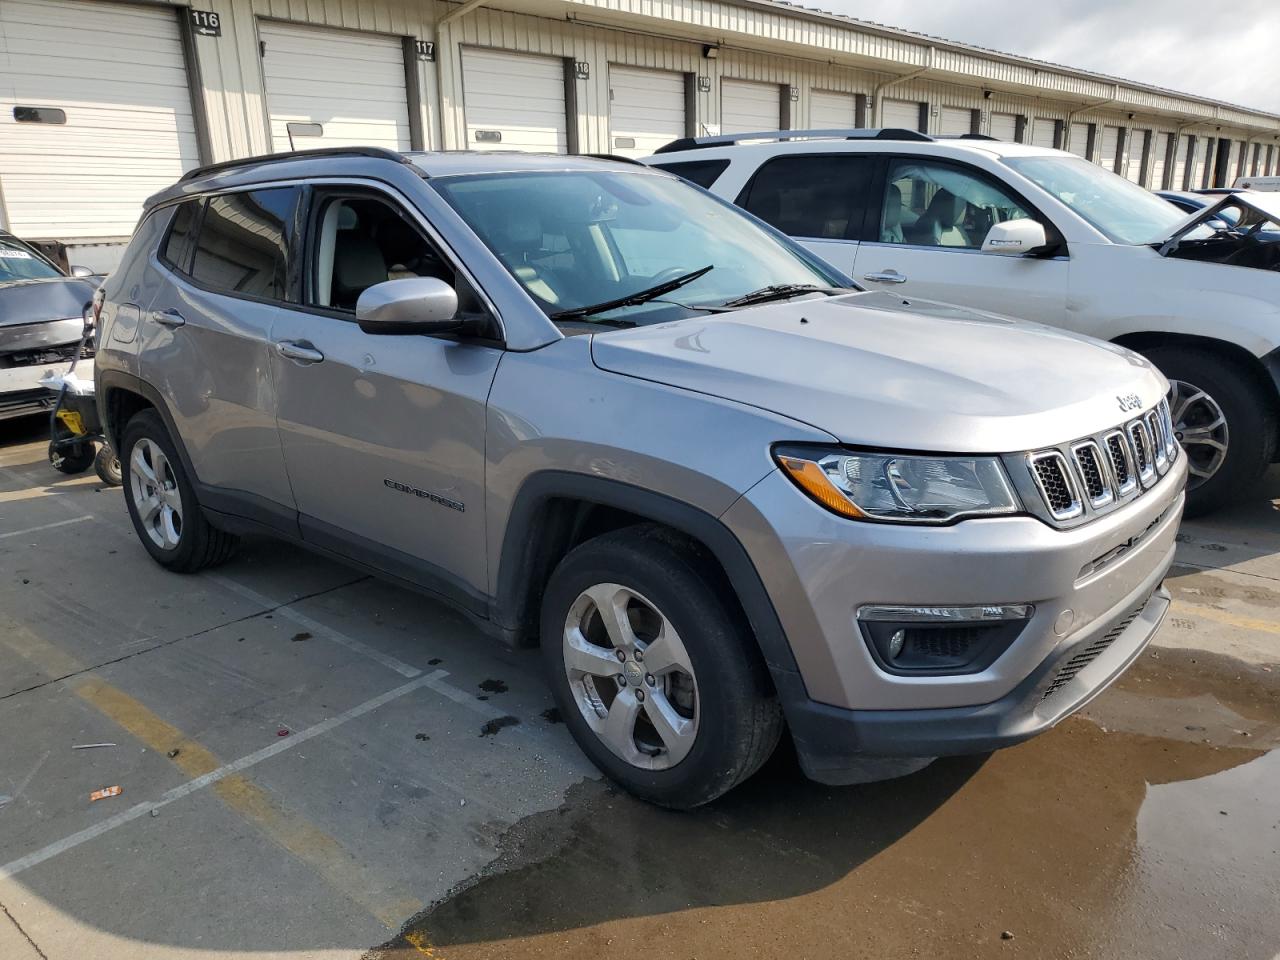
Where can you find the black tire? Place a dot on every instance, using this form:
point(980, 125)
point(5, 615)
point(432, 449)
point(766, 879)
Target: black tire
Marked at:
point(72, 457)
point(199, 545)
point(1251, 423)
point(107, 465)
point(739, 719)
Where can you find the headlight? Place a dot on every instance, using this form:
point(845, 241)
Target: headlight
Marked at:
point(900, 487)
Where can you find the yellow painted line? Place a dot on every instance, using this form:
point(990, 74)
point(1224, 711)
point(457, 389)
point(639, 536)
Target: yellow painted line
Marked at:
point(420, 943)
point(325, 855)
point(1223, 616)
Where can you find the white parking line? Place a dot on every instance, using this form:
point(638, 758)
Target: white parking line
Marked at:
point(315, 626)
point(15, 867)
point(45, 526)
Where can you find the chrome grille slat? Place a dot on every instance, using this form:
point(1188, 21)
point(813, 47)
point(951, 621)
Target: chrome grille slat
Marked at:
point(1122, 465)
point(1056, 483)
point(1094, 473)
point(1143, 454)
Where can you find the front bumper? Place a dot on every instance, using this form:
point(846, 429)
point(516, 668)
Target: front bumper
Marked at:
point(1095, 589)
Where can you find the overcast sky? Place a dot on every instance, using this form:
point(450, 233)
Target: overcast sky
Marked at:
point(1225, 51)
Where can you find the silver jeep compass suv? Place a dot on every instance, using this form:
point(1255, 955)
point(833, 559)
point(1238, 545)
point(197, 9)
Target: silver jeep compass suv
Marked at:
point(594, 406)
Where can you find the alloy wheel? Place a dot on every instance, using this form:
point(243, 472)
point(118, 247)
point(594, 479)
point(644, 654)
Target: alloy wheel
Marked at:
point(156, 498)
point(1201, 428)
point(630, 676)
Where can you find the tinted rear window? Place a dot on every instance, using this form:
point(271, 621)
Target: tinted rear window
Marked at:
point(818, 196)
point(177, 244)
point(244, 241)
point(702, 172)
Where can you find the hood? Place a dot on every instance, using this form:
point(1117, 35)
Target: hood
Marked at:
point(875, 370)
point(1265, 205)
point(36, 301)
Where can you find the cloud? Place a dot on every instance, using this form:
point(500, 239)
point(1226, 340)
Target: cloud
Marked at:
point(1226, 53)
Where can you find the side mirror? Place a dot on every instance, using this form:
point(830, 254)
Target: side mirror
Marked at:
point(1015, 238)
point(81, 272)
point(412, 305)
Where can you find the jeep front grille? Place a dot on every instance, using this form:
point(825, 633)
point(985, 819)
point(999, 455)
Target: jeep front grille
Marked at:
point(1095, 474)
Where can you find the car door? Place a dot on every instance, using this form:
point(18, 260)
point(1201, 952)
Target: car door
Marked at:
point(205, 347)
point(383, 435)
point(817, 199)
point(933, 217)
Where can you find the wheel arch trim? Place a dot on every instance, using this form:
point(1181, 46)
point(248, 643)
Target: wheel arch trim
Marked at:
point(529, 551)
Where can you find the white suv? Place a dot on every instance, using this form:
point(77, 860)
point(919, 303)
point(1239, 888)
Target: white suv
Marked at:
point(1047, 236)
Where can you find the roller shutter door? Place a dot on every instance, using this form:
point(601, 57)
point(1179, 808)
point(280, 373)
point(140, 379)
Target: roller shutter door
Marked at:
point(1180, 163)
point(1004, 126)
point(1137, 147)
point(746, 106)
point(646, 109)
point(829, 110)
point(955, 121)
point(1110, 147)
point(117, 73)
point(333, 88)
point(1079, 140)
point(1042, 132)
point(1159, 161)
point(514, 101)
point(1233, 165)
point(900, 114)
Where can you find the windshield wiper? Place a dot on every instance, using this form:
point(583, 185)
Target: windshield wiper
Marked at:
point(633, 299)
point(781, 291)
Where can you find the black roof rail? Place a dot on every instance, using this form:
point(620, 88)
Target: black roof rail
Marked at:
point(377, 153)
point(616, 158)
point(964, 136)
point(730, 139)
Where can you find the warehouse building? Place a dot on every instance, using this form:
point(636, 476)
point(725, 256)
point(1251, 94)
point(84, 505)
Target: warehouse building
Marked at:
point(103, 102)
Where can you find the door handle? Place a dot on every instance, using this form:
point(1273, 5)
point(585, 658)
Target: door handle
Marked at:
point(299, 350)
point(885, 276)
point(168, 318)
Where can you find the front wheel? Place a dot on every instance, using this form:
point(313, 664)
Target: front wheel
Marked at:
point(1224, 421)
point(654, 670)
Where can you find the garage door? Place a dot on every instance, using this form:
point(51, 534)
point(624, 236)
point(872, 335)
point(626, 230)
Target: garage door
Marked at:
point(1137, 147)
point(1079, 144)
point(955, 120)
point(1110, 147)
point(333, 88)
point(1004, 126)
point(104, 89)
point(646, 109)
point(1180, 163)
point(900, 114)
point(829, 110)
point(514, 101)
point(746, 107)
point(1042, 133)
point(1159, 161)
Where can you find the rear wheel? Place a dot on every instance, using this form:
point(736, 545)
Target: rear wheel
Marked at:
point(162, 500)
point(654, 670)
point(1224, 421)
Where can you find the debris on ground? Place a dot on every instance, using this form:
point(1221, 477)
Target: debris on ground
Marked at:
point(493, 686)
point(299, 637)
point(493, 726)
point(90, 746)
point(282, 732)
point(552, 715)
point(1006, 935)
point(421, 736)
point(483, 697)
point(433, 661)
point(104, 793)
point(173, 753)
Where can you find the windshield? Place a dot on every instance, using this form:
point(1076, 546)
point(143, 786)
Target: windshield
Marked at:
point(577, 239)
point(1122, 211)
point(19, 262)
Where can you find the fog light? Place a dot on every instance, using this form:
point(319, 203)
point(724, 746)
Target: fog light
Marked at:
point(941, 640)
